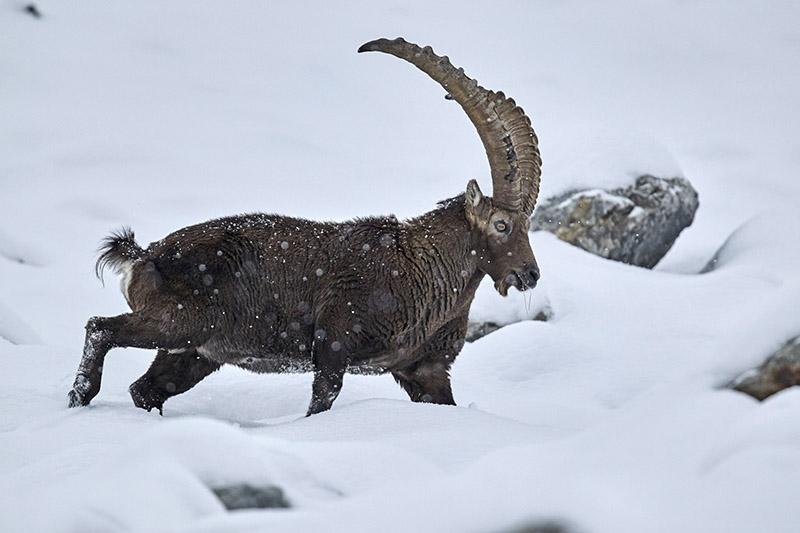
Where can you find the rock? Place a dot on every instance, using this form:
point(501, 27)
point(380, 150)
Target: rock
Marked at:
point(636, 224)
point(33, 11)
point(546, 526)
point(476, 330)
point(780, 371)
point(246, 496)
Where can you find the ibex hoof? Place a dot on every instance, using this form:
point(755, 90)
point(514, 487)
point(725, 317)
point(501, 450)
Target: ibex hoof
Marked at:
point(82, 391)
point(76, 399)
point(145, 396)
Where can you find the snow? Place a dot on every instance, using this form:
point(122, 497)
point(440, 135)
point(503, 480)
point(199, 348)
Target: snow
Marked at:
point(609, 159)
point(15, 330)
point(611, 416)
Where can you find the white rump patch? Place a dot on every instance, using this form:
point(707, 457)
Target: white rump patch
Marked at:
point(126, 273)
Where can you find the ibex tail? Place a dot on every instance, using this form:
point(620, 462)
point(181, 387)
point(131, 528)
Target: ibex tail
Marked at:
point(118, 251)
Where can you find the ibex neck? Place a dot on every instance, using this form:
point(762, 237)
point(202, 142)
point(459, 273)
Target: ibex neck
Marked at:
point(446, 228)
point(441, 241)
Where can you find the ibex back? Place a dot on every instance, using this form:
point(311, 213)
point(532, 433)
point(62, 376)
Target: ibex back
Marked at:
point(271, 293)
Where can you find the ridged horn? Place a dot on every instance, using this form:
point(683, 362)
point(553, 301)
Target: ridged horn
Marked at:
point(510, 142)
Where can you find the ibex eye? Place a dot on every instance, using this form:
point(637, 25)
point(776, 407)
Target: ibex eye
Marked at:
point(501, 226)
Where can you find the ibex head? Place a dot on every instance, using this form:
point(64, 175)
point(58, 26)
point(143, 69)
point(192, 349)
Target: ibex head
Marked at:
point(499, 225)
point(500, 242)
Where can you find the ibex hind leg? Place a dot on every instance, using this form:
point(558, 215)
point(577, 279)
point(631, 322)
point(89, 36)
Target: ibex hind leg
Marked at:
point(104, 333)
point(170, 374)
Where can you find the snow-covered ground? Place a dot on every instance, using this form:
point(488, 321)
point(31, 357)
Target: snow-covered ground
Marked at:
point(609, 417)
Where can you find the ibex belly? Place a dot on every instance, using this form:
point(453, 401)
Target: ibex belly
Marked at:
point(254, 354)
point(287, 357)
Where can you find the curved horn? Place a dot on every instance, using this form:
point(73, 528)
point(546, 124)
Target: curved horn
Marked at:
point(504, 129)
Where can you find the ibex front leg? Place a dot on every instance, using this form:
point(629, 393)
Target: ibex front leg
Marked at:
point(428, 380)
point(90, 370)
point(102, 334)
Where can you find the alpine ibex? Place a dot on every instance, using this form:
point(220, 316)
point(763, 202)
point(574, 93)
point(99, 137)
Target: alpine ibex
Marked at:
point(271, 293)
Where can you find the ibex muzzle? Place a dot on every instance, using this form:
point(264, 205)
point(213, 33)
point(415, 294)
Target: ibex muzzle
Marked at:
point(272, 293)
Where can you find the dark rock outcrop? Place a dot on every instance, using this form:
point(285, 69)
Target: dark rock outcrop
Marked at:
point(781, 370)
point(246, 496)
point(636, 224)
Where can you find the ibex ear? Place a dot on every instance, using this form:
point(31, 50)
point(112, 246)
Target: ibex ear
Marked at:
point(473, 201)
point(474, 195)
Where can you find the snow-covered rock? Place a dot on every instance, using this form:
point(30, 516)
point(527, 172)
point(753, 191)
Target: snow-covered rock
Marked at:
point(547, 526)
point(490, 312)
point(764, 235)
point(636, 224)
point(781, 370)
point(477, 329)
point(246, 496)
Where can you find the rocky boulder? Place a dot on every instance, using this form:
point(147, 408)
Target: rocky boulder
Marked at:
point(781, 370)
point(636, 224)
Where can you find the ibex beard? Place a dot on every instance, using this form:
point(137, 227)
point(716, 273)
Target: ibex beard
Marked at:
point(271, 293)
